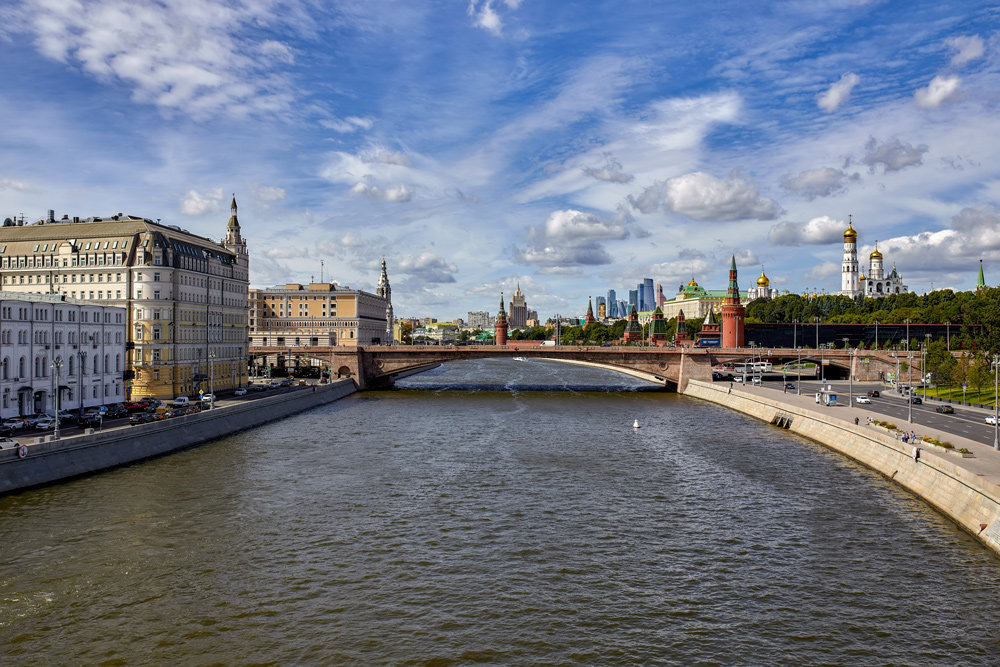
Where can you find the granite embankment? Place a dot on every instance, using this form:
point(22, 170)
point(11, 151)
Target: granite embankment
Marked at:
point(50, 460)
point(956, 486)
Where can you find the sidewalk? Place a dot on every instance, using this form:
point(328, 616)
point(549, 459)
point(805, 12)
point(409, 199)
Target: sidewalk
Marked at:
point(986, 462)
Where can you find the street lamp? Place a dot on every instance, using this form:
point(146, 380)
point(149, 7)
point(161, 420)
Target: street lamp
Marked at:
point(816, 320)
point(211, 380)
point(850, 375)
point(927, 342)
point(56, 366)
point(996, 383)
point(795, 332)
point(909, 399)
point(798, 372)
point(947, 333)
point(876, 334)
point(907, 334)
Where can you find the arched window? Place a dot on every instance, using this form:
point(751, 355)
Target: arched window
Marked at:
point(118, 362)
point(71, 370)
point(107, 363)
point(97, 366)
point(6, 368)
point(21, 368)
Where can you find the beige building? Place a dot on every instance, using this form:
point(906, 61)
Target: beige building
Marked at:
point(185, 295)
point(296, 315)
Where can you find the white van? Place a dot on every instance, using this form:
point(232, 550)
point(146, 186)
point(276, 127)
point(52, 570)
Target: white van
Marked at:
point(181, 402)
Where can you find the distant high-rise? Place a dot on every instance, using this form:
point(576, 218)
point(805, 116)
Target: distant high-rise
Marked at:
point(648, 294)
point(518, 317)
point(612, 303)
point(640, 298)
point(660, 299)
point(633, 299)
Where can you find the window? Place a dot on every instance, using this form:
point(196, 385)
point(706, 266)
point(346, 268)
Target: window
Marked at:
point(156, 276)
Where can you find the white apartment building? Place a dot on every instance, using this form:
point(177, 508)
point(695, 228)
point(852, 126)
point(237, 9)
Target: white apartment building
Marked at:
point(52, 345)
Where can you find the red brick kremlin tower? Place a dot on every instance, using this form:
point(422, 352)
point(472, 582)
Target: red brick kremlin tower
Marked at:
point(500, 333)
point(633, 330)
point(589, 319)
point(732, 312)
point(681, 334)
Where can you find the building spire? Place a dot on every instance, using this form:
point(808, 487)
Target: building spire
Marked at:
point(981, 281)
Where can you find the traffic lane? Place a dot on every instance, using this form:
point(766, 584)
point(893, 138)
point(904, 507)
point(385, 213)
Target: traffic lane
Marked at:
point(966, 426)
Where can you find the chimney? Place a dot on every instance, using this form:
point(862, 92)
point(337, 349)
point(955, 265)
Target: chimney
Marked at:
point(51, 217)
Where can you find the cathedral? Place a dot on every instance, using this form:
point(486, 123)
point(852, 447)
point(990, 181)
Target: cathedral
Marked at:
point(877, 282)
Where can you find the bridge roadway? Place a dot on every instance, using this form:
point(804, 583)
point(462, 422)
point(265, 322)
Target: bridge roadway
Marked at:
point(669, 366)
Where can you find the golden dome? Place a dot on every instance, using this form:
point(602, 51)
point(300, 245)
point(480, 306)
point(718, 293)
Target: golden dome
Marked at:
point(850, 236)
point(875, 253)
point(692, 283)
point(763, 281)
point(863, 277)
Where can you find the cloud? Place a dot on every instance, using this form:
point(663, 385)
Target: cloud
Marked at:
point(199, 58)
point(348, 124)
point(267, 193)
point(967, 49)
point(838, 93)
point(484, 16)
point(610, 172)
point(383, 156)
point(427, 267)
point(14, 184)
point(892, 155)
point(702, 196)
point(938, 91)
point(201, 203)
point(570, 239)
point(824, 271)
point(821, 182)
point(394, 192)
point(746, 257)
point(818, 231)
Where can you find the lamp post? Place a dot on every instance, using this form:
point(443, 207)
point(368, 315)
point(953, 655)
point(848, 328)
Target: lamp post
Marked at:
point(211, 380)
point(816, 320)
point(907, 334)
point(896, 377)
point(850, 374)
point(876, 334)
point(798, 372)
point(927, 343)
point(795, 333)
point(996, 414)
point(947, 333)
point(909, 399)
point(56, 366)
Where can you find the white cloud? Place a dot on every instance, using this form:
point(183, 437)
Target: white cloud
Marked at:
point(824, 271)
point(191, 57)
point(427, 267)
point(267, 193)
point(484, 16)
point(200, 203)
point(821, 230)
point(892, 155)
point(14, 184)
point(814, 183)
point(348, 124)
point(383, 156)
point(394, 192)
point(610, 172)
point(838, 93)
point(938, 91)
point(702, 196)
point(570, 239)
point(967, 48)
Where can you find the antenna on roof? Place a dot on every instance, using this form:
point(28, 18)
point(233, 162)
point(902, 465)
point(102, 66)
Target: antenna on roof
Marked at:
point(321, 270)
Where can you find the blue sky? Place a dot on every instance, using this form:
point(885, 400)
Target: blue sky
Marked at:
point(478, 144)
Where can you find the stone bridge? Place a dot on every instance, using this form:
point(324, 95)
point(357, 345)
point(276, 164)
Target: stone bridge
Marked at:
point(671, 367)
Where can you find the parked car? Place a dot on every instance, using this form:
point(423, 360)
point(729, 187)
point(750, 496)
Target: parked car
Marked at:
point(8, 443)
point(287, 382)
point(208, 398)
point(915, 400)
point(991, 419)
point(181, 402)
point(945, 409)
point(136, 406)
point(862, 400)
point(45, 424)
point(90, 420)
point(874, 393)
point(6, 431)
point(16, 423)
point(240, 392)
point(115, 411)
point(140, 418)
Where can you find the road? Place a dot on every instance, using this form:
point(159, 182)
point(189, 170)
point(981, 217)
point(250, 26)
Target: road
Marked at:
point(966, 422)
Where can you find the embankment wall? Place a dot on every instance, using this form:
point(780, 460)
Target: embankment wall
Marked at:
point(54, 460)
point(968, 499)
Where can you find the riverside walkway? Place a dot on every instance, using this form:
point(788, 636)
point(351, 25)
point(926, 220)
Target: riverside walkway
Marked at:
point(985, 462)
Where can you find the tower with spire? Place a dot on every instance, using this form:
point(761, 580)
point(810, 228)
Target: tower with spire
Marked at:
point(518, 310)
point(633, 330)
point(500, 328)
point(733, 312)
point(981, 281)
point(234, 243)
point(385, 291)
point(589, 319)
point(849, 273)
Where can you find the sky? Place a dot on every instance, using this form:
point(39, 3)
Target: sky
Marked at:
point(566, 147)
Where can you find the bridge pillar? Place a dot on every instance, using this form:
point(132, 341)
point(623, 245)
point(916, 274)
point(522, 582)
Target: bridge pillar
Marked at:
point(693, 366)
point(347, 364)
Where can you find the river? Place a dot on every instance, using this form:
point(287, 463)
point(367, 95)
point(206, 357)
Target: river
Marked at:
point(470, 516)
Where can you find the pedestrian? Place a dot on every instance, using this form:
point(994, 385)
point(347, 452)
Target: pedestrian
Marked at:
point(856, 420)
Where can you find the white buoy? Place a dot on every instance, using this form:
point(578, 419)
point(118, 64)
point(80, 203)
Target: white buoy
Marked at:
point(635, 424)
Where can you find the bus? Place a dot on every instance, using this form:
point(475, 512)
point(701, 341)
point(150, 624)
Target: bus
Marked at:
point(752, 368)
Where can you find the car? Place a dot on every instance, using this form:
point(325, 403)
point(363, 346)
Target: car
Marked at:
point(945, 409)
point(115, 411)
point(861, 400)
point(258, 387)
point(790, 386)
point(90, 420)
point(208, 398)
point(240, 392)
point(738, 378)
point(6, 431)
point(915, 400)
point(45, 424)
point(140, 418)
point(181, 402)
point(287, 382)
point(991, 419)
point(136, 406)
point(15, 423)
point(874, 393)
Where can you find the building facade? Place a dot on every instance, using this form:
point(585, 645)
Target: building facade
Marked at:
point(762, 290)
point(518, 316)
point(318, 314)
point(59, 352)
point(696, 301)
point(185, 295)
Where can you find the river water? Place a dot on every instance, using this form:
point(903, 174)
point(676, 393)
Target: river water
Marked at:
point(495, 523)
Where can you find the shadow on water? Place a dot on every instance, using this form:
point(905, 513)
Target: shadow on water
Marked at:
point(523, 376)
